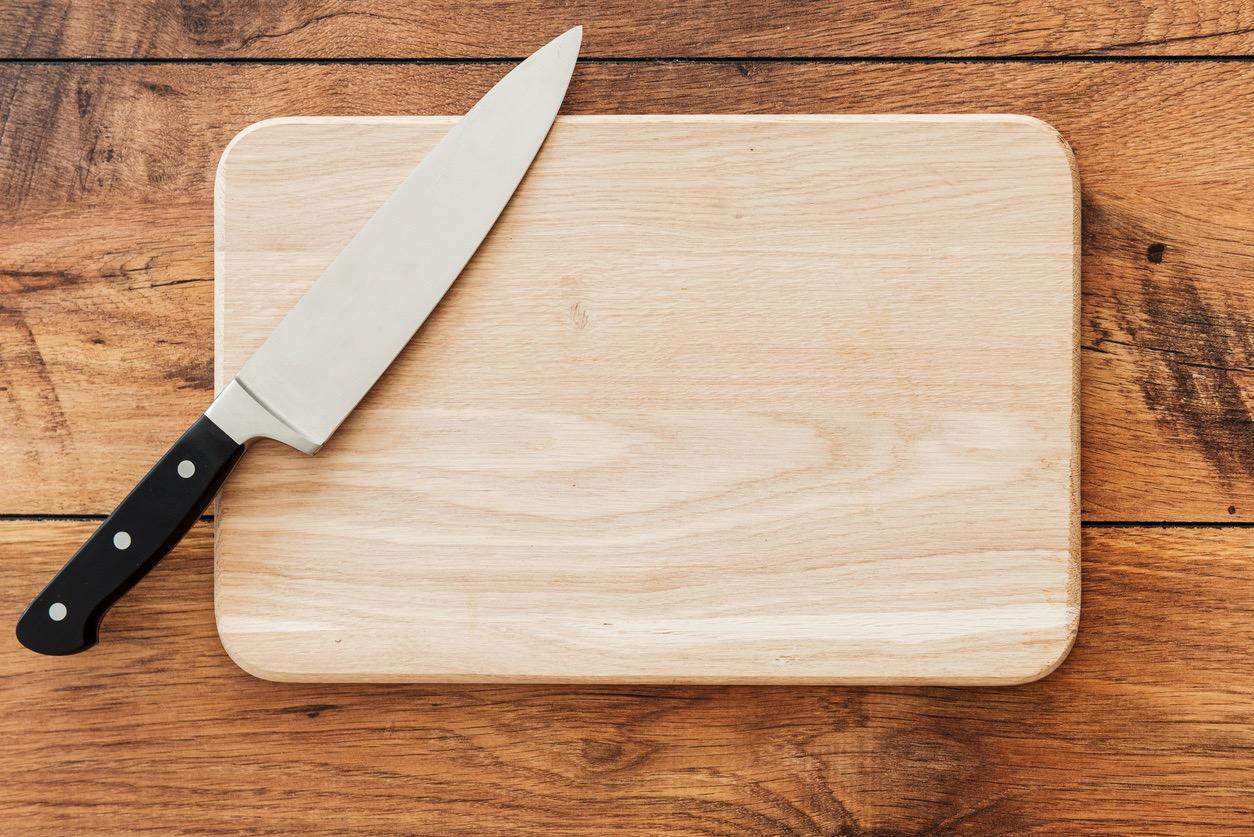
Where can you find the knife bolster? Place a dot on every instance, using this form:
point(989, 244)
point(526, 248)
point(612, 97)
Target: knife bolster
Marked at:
point(245, 419)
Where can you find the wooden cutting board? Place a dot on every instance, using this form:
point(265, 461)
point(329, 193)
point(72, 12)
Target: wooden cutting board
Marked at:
point(720, 400)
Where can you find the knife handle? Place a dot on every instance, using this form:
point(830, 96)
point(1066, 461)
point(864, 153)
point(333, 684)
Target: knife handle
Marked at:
point(65, 617)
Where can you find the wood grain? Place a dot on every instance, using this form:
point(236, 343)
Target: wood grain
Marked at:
point(1146, 728)
point(106, 242)
point(105, 300)
point(684, 417)
point(621, 28)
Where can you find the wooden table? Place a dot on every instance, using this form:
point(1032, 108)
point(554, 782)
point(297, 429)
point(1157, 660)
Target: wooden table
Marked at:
point(112, 116)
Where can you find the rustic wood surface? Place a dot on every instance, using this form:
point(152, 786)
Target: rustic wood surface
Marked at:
point(622, 28)
point(106, 202)
point(1145, 729)
point(105, 354)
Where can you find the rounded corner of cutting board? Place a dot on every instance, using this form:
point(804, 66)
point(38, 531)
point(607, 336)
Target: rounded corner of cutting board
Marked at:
point(245, 654)
point(251, 651)
point(251, 656)
point(1043, 131)
point(244, 134)
point(1051, 655)
point(1051, 658)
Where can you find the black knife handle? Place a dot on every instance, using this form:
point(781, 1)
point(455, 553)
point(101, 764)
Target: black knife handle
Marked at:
point(65, 617)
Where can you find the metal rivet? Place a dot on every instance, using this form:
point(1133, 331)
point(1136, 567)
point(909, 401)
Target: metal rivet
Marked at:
point(57, 611)
point(186, 468)
point(122, 540)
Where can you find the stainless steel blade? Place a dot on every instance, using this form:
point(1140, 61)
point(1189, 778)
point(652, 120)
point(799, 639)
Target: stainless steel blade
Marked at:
point(362, 311)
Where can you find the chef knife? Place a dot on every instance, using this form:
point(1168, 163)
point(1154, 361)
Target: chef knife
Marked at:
point(329, 349)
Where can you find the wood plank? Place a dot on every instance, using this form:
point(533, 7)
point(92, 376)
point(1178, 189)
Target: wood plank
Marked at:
point(1146, 728)
point(622, 28)
point(106, 241)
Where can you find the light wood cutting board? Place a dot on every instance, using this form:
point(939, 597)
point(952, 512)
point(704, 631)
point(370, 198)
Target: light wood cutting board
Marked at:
point(721, 399)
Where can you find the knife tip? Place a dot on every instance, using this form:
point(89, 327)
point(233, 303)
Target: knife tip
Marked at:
point(571, 37)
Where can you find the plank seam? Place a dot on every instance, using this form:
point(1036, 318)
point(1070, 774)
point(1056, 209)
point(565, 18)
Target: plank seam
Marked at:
point(1166, 524)
point(1081, 58)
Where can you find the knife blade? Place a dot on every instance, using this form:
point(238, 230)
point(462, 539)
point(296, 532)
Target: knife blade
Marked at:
point(331, 347)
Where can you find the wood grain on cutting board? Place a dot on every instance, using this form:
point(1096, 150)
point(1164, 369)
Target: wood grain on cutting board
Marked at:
point(734, 399)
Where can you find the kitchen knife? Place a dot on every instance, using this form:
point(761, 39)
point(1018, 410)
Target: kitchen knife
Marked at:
point(329, 349)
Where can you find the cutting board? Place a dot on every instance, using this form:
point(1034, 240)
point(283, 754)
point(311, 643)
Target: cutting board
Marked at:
point(760, 399)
